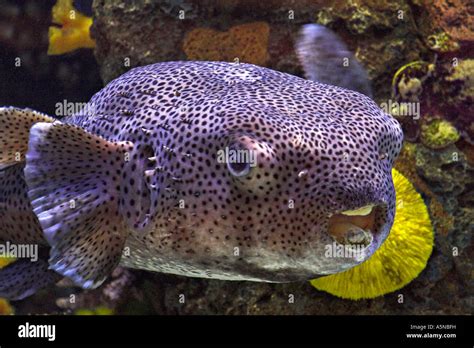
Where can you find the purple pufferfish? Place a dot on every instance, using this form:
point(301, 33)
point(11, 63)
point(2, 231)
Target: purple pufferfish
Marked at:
point(142, 178)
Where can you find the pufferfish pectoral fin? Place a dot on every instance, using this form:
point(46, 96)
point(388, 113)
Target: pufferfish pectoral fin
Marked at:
point(73, 180)
point(24, 277)
point(15, 124)
point(325, 58)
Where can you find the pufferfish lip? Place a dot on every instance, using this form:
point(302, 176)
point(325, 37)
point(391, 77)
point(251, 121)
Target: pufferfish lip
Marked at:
point(357, 227)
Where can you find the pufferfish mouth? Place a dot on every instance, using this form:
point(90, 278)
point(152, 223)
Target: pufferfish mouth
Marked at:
point(359, 227)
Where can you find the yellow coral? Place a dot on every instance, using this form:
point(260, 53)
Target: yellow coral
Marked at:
point(247, 42)
point(5, 261)
point(463, 73)
point(398, 261)
point(101, 310)
point(74, 30)
point(5, 307)
point(438, 134)
point(409, 78)
point(442, 42)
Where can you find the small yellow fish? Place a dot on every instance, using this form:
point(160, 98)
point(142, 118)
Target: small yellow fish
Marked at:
point(74, 31)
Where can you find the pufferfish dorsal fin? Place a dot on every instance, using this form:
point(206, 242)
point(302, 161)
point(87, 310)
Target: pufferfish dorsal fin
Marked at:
point(325, 58)
point(73, 180)
point(15, 124)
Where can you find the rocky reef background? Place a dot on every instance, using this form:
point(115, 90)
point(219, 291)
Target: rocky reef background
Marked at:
point(31, 78)
point(438, 156)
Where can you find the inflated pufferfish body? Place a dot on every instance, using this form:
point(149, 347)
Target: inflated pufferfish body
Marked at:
point(139, 176)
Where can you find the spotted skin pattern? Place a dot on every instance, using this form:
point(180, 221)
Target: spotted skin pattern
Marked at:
point(14, 133)
point(17, 221)
point(72, 185)
point(188, 214)
point(20, 279)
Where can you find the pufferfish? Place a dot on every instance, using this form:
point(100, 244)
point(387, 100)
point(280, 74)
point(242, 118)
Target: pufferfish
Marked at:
point(137, 178)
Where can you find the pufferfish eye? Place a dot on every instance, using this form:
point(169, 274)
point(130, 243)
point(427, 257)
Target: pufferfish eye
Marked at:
point(239, 158)
point(239, 169)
